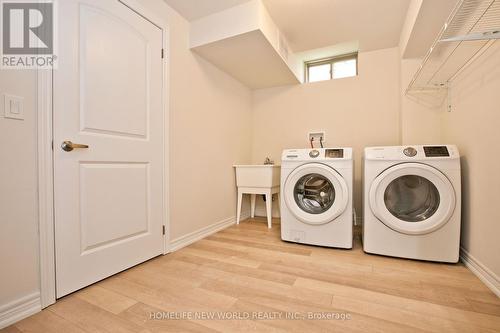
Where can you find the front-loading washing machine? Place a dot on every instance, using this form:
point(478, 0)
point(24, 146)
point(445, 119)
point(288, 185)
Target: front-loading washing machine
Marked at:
point(411, 202)
point(316, 196)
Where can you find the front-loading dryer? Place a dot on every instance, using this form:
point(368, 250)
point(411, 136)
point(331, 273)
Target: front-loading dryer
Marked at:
point(316, 196)
point(411, 202)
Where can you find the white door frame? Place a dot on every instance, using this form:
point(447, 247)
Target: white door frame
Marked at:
point(45, 160)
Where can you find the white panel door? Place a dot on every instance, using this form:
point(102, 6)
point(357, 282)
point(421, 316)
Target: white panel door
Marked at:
point(107, 95)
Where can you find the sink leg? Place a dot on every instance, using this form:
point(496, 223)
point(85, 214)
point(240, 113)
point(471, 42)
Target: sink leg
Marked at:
point(252, 206)
point(278, 201)
point(269, 202)
point(238, 209)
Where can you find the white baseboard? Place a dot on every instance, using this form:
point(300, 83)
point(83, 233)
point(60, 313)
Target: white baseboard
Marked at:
point(19, 309)
point(180, 242)
point(489, 278)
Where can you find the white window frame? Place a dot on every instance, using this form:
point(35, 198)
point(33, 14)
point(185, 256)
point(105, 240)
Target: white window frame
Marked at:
point(331, 61)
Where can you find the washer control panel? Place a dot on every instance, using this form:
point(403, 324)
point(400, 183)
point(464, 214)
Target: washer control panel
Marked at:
point(436, 151)
point(410, 151)
point(317, 154)
point(314, 153)
point(334, 153)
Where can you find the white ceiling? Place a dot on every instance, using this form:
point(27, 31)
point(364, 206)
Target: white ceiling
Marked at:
point(194, 9)
point(311, 24)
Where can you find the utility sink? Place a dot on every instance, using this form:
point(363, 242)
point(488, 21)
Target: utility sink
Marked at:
point(257, 179)
point(259, 175)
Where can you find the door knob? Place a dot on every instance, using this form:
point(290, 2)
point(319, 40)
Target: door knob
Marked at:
point(69, 146)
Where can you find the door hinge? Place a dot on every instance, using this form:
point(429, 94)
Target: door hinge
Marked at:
point(52, 144)
point(162, 53)
point(163, 229)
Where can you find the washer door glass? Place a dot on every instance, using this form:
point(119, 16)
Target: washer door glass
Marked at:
point(314, 193)
point(411, 198)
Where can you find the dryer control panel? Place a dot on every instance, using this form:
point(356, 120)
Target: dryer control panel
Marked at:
point(413, 153)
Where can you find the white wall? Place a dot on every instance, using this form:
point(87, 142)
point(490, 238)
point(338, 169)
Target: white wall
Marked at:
point(474, 125)
point(228, 23)
point(421, 114)
point(18, 192)
point(355, 112)
point(409, 24)
point(210, 116)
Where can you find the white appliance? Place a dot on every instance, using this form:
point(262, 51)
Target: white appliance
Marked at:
point(411, 202)
point(316, 196)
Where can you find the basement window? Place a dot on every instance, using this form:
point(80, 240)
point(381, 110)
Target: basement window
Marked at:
point(332, 68)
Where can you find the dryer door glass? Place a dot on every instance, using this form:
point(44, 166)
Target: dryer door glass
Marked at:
point(411, 198)
point(314, 193)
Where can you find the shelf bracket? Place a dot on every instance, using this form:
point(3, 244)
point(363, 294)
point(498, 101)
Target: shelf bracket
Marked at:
point(488, 35)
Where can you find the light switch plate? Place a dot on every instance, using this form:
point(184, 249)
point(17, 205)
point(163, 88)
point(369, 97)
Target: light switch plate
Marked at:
point(13, 107)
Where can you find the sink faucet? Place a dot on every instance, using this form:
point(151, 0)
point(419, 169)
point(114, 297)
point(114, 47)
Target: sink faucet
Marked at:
point(268, 161)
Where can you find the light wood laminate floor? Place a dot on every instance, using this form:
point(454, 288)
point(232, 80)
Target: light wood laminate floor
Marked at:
point(246, 270)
